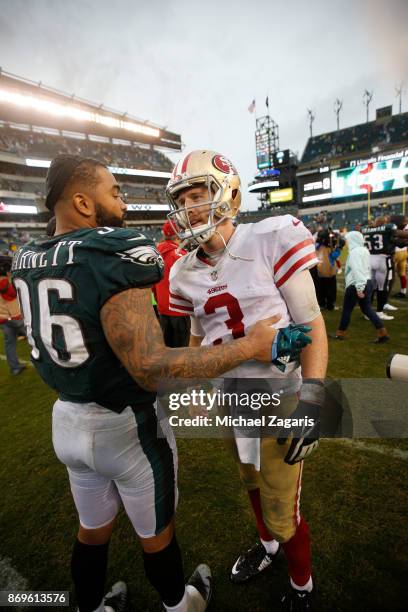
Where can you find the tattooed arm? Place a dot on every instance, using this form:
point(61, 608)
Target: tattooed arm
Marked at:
point(134, 334)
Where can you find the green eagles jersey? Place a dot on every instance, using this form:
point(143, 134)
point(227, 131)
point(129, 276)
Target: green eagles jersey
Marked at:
point(380, 240)
point(62, 284)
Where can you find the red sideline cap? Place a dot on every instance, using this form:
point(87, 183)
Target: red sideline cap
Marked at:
point(168, 230)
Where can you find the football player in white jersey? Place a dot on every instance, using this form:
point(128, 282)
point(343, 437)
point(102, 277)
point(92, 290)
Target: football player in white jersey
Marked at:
point(234, 276)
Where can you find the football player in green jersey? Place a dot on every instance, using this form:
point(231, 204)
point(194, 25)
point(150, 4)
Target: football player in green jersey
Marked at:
point(380, 239)
point(85, 296)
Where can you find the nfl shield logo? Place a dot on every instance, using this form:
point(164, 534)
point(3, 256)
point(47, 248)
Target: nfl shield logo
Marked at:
point(214, 275)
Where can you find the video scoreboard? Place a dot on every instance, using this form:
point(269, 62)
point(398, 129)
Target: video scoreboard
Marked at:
point(376, 174)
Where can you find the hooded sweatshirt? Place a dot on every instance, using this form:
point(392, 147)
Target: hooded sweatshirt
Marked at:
point(358, 268)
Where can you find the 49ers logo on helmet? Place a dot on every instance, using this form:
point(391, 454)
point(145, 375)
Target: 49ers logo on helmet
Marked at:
point(223, 164)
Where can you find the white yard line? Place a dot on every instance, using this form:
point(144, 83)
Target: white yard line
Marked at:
point(397, 453)
point(10, 579)
point(4, 358)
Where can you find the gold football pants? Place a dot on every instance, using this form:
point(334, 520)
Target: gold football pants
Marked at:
point(400, 260)
point(278, 482)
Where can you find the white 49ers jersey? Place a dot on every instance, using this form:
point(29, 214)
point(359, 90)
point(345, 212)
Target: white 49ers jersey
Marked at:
point(235, 293)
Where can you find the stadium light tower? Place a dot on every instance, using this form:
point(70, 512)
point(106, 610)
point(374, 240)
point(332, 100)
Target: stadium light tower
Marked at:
point(399, 89)
point(367, 97)
point(338, 105)
point(312, 117)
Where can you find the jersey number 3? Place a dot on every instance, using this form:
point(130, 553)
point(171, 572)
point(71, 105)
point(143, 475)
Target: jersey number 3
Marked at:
point(75, 348)
point(234, 323)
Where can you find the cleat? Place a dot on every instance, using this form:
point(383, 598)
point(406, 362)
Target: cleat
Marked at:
point(296, 601)
point(384, 317)
point(252, 563)
point(381, 340)
point(116, 599)
point(400, 295)
point(199, 589)
point(389, 307)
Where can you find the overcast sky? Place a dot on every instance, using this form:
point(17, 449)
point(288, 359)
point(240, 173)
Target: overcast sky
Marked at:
point(196, 66)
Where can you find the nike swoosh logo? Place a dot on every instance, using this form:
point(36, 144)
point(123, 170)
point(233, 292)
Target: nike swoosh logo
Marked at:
point(295, 223)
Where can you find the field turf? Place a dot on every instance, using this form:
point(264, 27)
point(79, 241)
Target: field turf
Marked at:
point(354, 497)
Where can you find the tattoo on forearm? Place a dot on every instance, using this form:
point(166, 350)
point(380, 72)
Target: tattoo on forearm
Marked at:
point(135, 336)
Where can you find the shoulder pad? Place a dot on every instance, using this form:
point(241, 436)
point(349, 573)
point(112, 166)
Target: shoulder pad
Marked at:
point(115, 238)
point(184, 263)
point(123, 244)
point(272, 224)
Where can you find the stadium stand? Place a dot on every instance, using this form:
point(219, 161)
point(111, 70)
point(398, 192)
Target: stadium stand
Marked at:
point(347, 174)
point(30, 138)
point(26, 142)
point(358, 139)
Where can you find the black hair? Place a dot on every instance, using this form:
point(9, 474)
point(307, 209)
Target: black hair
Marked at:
point(399, 221)
point(5, 264)
point(66, 171)
point(51, 226)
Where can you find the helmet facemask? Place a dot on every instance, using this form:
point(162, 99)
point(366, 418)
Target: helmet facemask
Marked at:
point(219, 208)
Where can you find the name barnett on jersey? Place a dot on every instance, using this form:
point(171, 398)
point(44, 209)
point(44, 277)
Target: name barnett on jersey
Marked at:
point(26, 259)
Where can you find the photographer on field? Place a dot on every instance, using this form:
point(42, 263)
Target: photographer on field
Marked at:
point(11, 321)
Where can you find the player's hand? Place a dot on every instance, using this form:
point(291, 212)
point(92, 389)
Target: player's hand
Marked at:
point(197, 409)
point(305, 435)
point(261, 336)
point(288, 344)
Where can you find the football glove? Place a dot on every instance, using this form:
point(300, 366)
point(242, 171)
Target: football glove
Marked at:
point(288, 344)
point(305, 435)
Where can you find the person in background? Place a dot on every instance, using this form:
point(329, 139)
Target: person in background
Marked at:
point(328, 251)
point(11, 320)
point(359, 288)
point(175, 326)
point(380, 240)
point(154, 303)
point(401, 255)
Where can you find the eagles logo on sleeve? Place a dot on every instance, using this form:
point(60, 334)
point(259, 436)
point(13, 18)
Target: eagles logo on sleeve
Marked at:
point(145, 254)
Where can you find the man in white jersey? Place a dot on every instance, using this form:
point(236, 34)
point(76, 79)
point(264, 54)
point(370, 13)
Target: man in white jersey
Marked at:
point(235, 275)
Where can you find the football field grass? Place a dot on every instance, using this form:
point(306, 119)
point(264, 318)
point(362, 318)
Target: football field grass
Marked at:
point(354, 498)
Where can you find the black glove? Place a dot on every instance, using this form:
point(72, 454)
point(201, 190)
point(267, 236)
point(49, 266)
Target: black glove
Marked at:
point(307, 413)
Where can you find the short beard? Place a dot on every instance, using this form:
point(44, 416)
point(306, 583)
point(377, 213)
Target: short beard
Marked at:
point(105, 220)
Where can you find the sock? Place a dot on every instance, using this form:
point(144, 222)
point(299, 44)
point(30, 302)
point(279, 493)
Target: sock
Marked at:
point(164, 570)
point(306, 587)
point(180, 607)
point(255, 499)
point(297, 553)
point(382, 297)
point(403, 280)
point(271, 546)
point(88, 568)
